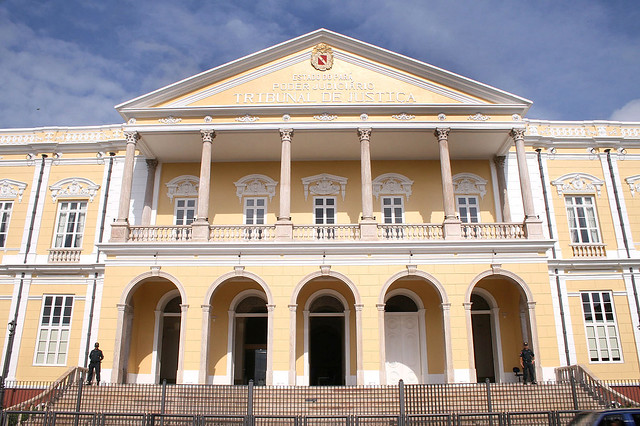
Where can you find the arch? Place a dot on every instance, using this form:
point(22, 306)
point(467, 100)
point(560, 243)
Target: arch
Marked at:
point(405, 292)
point(323, 273)
point(238, 272)
point(415, 273)
point(158, 332)
point(128, 291)
point(326, 292)
point(499, 272)
point(243, 295)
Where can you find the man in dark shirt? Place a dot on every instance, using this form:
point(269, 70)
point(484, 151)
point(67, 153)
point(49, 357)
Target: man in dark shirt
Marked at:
point(527, 361)
point(95, 358)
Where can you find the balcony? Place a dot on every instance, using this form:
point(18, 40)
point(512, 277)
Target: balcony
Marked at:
point(307, 233)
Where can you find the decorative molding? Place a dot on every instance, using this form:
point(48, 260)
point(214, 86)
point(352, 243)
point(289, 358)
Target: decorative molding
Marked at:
point(256, 185)
point(208, 119)
point(364, 116)
point(392, 183)
point(516, 117)
point(634, 184)
point(325, 117)
point(578, 183)
point(322, 57)
point(286, 117)
point(132, 121)
point(183, 186)
point(403, 116)
point(469, 183)
point(74, 187)
point(479, 117)
point(248, 119)
point(324, 184)
point(170, 120)
point(442, 116)
point(11, 189)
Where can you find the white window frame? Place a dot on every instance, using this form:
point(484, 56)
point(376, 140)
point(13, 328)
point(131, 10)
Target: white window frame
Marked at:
point(593, 231)
point(607, 343)
point(49, 340)
point(467, 218)
point(186, 208)
point(246, 208)
point(324, 208)
point(393, 216)
point(6, 208)
point(77, 233)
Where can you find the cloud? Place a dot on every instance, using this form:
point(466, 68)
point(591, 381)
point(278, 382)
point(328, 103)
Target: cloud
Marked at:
point(629, 112)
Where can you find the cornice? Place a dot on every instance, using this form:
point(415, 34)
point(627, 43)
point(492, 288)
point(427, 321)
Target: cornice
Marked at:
point(593, 264)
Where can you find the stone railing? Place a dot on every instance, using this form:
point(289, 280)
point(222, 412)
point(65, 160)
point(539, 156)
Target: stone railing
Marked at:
point(64, 255)
point(159, 233)
point(493, 231)
point(326, 232)
point(219, 233)
point(425, 231)
point(589, 250)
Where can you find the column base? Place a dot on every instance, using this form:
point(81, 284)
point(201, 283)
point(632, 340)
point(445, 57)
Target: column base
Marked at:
point(119, 231)
point(284, 230)
point(368, 230)
point(200, 230)
point(533, 228)
point(452, 229)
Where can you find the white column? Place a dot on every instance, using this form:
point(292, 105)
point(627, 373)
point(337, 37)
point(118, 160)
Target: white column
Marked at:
point(534, 343)
point(383, 347)
point(120, 228)
point(470, 349)
point(533, 225)
point(284, 227)
point(182, 343)
point(292, 344)
point(148, 192)
point(449, 376)
point(200, 225)
point(502, 188)
point(451, 225)
point(119, 349)
point(203, 373)
point(359, 354)
point(270, 315)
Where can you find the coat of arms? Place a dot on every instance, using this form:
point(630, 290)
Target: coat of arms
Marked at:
point(322, 57)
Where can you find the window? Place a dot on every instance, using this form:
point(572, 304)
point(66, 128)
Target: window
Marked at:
point(185, 210)
point(255, 210)
point(324, 209)
point(70, 227)
point(583, 222)
point(393, 209)
point(5, 215)
point(468, 208)
point(55, 326)
point(601, 327)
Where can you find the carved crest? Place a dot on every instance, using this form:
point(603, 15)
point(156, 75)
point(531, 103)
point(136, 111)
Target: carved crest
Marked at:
point(324, 184)
point(11, 189)
point(634, 184)
point(322, 57)
point(256, 185)
point(468, 183)
point(578, 183)
point(392, 184)
point(183, 186)
point(73, 188)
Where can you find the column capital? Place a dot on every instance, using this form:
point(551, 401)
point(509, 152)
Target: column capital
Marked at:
point(359, 307)
point(442, 133)
point(467, 306)
point(380, 307)
point(293, 308)
point(132, 137)
point(207, 135)
point(286, 135)
point(517, 134)
point(152, 163)
point(271, 308)
point(499, 160)
point(364, 133)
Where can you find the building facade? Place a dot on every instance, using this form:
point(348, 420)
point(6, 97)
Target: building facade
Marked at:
point(322, 212)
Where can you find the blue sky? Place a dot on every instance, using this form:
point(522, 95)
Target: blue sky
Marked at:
point(69, 62)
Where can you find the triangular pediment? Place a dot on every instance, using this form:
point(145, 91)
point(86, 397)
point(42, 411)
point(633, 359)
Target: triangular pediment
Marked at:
point(292, 74)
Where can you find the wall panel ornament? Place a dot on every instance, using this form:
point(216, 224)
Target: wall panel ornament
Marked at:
point(578, 183)
point(469, 183)
point(11, 189)
point(170, 120)
point(183, 186)
point(324, 184)
point(255, 185)
point(392, 184)
point(74, 187)
point(634, 184)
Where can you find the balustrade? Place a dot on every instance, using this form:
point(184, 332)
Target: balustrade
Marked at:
point(159, 233)
point(242, 233)
point(327, 232)
point(589, 250)
point(64, 255)
point(493, 231)
point(426, 231)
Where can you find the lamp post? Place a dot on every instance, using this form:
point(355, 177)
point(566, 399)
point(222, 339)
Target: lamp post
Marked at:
point(7, 360)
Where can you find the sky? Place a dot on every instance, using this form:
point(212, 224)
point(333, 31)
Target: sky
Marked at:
point(69, 62)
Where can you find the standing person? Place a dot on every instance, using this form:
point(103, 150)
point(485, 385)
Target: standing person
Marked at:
point(527, 361)
point(95, 358)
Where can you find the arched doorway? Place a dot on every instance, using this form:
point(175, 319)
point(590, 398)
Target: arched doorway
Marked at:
point(327, 340)
point(250, 340)
point(484, 338)
point(169, 326)
point(404, 340)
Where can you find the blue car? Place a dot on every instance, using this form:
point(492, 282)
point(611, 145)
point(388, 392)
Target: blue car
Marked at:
point(617, 417)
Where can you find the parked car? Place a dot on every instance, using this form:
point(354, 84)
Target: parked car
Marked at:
point(615, 417)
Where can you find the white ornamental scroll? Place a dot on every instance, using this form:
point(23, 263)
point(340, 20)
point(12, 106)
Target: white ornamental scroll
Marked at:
point(324, 184)
point(578, 183)
point(469, 183)
point(634, 184)
point(11, 189)
point(392, 184)
point(183, 186)
point(255, 185)
point(74, 187)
